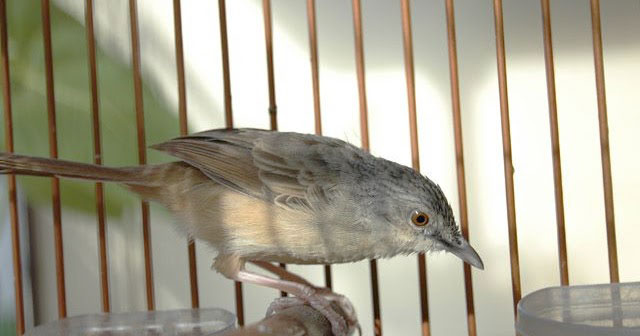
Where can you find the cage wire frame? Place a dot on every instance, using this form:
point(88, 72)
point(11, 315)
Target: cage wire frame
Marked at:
point(272, 110)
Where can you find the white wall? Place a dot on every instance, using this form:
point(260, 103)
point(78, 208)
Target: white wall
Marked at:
point(390, 138)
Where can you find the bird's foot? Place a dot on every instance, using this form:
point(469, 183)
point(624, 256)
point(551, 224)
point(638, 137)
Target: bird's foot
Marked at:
point(335, 307)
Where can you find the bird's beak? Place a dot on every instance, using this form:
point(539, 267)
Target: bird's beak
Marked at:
point(467, 254)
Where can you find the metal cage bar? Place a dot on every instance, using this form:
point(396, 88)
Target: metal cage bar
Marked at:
point(315, 74)
point(53, 152)
point(97, 156)
point(184, 130)
point(142, 154)
point(460, 167)
point(614, 274)
point(226, 78)
point(506, 150)
point(364, 136)
point(315, 82)
point(555, 143)
point(13, 197)
point(268, 37)
point(407, 40)
point(273, 108)
point(362, 90)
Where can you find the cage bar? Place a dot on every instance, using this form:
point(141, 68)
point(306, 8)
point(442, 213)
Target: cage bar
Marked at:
point(506, 150)
point(614, 274)
point(222, 13)
point(364, 137)
point(182, 114)
point(226, 77)
point(97, 156)
point(411, 86)
point(13, 197)
point(268, 37)
point(315, 74)
point(53, 152)
point(273, 109)
point(362, 90)
point(555, 143)
point(460, 167)
point(315, 81)
point(142, 154)
point(182, 92)
point(407, 40)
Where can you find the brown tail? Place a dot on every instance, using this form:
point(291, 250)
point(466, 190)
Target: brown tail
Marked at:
point(28, 165)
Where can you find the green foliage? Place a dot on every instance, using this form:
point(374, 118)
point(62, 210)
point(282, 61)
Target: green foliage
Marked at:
point(7, 328)
point(73, 105)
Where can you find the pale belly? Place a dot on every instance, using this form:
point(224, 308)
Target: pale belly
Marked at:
point(236, 224)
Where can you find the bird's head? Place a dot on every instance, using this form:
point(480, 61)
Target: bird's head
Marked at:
point(422, 215)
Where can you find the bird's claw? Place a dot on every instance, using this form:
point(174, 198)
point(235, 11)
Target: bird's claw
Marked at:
point(335, 307)
point(282, 303)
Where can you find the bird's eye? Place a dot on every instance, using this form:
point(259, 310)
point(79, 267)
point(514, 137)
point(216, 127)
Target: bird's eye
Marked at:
point(420, 218)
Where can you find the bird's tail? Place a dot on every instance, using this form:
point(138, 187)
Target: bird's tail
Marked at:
point(35, 166)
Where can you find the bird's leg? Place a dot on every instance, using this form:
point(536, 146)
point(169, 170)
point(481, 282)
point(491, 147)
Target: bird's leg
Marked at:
point(232, 267)
point(286, 302)
point(281, 272)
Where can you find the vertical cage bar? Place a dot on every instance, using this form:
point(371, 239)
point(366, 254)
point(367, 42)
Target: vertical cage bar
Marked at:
point(460, 168)
point(97, 156)
point(13, 197)
point(53, 152)
point(182, 113)
point(407, 40)
point(362, 91)
point(411, 87)
point(375, 294)
point(555, 142)
point(364, 136)
point(614, 275)
point(506, 150)
point(315, 81)
point(425, 326)
point(222, 13)
point(142, 154)
point(182, 93)
point(273, 109)
point(268, 36)
point(315, 74)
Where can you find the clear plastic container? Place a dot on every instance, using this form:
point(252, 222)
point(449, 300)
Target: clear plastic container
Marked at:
point(602, 310)
point(196, 322)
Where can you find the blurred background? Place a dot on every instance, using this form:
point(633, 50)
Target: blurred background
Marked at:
point(389, 133)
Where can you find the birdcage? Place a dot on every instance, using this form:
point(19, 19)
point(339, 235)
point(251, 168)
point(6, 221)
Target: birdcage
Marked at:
point(502, 104)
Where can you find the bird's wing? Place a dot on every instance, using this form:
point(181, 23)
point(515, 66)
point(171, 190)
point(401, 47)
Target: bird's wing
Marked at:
point(297, 171)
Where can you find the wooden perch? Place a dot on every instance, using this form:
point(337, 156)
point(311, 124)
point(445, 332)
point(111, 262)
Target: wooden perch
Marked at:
point(299, 320)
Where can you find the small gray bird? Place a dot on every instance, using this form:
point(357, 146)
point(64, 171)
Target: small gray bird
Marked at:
point(261, 197)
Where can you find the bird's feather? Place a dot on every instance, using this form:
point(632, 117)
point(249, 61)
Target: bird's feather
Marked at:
point(287, 169)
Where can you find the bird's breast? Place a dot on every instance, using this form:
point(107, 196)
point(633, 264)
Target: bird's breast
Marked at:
point(234, 223)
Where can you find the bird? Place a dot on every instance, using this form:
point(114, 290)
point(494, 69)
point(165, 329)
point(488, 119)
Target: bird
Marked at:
point(263, 197)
